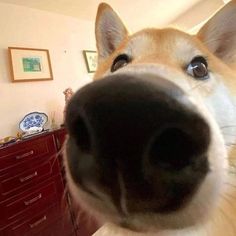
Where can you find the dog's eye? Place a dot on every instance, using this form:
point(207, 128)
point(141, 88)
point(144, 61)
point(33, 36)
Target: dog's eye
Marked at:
point(198, 68)
point(120, 61)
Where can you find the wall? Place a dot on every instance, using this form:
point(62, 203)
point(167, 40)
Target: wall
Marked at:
point(65, 37)
point(201, 11)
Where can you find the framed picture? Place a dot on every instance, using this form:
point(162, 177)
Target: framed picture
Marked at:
point(91, 60)
point(29, 64)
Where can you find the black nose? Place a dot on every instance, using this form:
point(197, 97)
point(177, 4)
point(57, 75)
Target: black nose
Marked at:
point(145, 127)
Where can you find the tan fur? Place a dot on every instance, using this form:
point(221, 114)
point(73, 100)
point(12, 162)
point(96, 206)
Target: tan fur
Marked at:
point(169, 51)
point(162, 51)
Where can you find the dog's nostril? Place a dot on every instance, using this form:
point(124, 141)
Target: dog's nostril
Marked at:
point(173, 149)
point(81, 134)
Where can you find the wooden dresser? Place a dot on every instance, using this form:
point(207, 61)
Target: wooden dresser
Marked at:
point(33, 200)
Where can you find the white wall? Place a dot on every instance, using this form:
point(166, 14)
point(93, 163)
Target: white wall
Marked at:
point(65, 37)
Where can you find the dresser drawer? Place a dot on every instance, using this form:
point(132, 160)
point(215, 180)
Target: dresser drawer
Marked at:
point(32, 199)
point(18, 181)
point(35, 200)
point(27, 151)
point(63, 227)
point(35, 225)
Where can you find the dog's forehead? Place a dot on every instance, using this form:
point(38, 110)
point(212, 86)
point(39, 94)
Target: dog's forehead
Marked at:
point(160, 46)
point(163, 43)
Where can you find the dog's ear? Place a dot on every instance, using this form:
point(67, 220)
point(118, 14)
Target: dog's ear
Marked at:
point(109, 30)
point(219, 33)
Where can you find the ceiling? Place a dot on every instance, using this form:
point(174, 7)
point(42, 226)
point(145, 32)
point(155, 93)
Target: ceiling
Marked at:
point(137, 13)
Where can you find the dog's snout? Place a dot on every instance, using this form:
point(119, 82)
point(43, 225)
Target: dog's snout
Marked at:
point(145, 128)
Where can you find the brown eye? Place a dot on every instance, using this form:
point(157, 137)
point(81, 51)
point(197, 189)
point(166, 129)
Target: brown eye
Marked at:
point(198, 68)
point(120, 61)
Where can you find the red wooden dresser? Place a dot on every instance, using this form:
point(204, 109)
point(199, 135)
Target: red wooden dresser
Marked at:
point(32, 197)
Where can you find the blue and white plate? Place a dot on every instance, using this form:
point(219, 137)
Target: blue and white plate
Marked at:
point(33, 121)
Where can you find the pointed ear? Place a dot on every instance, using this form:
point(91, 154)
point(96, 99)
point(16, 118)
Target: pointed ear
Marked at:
point(219, 33)
point(109, 30)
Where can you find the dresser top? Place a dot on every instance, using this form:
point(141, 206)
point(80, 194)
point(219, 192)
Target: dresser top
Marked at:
point(32, 137)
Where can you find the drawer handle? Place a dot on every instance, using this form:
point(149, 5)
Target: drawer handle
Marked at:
point(23, 179)
point(25, 155)
point(35, 199)
point(38, 222)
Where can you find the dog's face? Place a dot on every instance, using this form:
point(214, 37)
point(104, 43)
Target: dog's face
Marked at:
point(146, 148)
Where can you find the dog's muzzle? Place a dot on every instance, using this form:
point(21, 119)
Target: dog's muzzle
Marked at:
point(138, 138)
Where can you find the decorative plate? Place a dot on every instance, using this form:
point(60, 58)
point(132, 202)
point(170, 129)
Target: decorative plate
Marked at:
point(33, 121)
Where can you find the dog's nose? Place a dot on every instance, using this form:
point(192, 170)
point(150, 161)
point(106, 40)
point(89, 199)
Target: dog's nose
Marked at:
point(144, 125)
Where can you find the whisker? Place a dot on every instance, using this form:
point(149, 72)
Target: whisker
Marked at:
point(225, 197)
point(57, 157)
point(232, 165)
point(228, 134)
point(231, 185)
point(230, 197)
point(78, 217)
point(196, 86)
point(230, 144)
point(232, 172)
point(227, 126)
point(231, 223)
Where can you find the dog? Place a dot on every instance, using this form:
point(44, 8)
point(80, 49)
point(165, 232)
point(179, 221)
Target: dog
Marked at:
point(150, 147)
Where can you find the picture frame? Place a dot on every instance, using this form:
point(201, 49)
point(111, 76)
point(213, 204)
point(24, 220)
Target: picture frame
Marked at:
point(90, 60)
point(29, 64)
